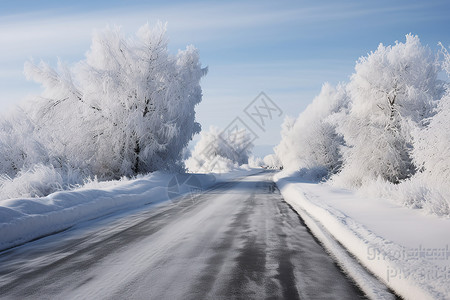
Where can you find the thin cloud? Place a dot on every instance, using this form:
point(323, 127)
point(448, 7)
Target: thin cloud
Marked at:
point(59, 32)
point(224, 32)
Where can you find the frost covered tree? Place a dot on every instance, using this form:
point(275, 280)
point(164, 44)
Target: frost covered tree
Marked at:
point(432, 142)
point(272, 161)
point(218, 152)
point(392, 91)
point(128, 108)
point(255, 162)
point(311, 141)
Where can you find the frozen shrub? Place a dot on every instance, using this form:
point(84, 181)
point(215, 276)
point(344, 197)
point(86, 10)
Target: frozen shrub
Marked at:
point(38, 181)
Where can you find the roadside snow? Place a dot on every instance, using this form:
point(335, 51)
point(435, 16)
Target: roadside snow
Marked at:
point(23, 220)
point(406, 249)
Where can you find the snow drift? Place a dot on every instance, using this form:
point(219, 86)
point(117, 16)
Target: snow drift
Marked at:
point(22, 219)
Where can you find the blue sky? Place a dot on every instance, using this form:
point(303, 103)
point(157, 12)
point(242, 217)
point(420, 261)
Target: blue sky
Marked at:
point(285, 48)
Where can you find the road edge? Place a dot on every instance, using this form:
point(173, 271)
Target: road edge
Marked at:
point(346, 247)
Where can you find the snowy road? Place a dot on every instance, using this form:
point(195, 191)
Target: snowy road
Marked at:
point(238, 240)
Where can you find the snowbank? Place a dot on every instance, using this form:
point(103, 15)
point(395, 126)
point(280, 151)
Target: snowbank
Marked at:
point(406, 249)
point(22, 220)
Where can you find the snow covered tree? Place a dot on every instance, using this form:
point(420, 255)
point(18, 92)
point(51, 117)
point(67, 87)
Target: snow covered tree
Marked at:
point(128, 108)
point(311, 141)
point(20, 146)
point(255, 162)
point(272, 161)
point(432, 142)
point(216, 152)
point(392, 91)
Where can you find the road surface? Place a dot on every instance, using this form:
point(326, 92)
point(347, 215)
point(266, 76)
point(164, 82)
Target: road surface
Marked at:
point(238, 240)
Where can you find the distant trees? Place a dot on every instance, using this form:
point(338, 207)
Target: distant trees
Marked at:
point(255, 162)
point(272, 161)
point(311, 140)
point(127, 109)
point(217, 152)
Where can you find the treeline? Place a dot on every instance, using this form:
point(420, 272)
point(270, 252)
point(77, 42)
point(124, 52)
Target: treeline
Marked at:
point(386, 131)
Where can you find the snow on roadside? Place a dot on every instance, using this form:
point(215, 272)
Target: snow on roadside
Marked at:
point(25, 219)
point(406, 249)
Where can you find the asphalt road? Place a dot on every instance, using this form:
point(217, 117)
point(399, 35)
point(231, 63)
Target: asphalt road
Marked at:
point(238, 240)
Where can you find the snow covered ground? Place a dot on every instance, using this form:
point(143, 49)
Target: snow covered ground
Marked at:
point(405, 248)
point(23, 220)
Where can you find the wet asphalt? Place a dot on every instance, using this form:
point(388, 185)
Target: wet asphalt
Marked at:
point(237, 240)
